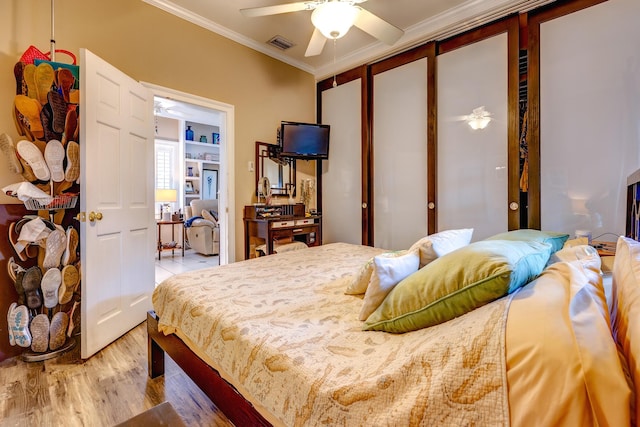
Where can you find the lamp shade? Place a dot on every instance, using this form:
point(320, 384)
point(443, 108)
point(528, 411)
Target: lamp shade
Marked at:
point(166, 195)
point(334, 18)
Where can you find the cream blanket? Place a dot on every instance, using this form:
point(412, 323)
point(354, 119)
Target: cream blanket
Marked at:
point(281, 329)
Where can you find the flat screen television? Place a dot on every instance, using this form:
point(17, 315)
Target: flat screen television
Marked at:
point(304, 140)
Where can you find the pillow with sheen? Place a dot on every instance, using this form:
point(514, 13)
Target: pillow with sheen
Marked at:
point(556, 240)
point(625, 307)
point(459, 282)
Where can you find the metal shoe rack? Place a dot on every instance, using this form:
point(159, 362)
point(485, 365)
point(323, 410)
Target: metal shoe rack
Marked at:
point(53, 205)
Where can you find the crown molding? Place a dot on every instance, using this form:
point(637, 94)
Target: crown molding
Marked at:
point(446, 24)
point(205, 23)
point(466, 16)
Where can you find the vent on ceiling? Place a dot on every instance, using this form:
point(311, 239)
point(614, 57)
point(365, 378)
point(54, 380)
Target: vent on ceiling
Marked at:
point(280, 42)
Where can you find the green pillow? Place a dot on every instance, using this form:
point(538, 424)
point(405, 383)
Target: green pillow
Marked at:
point(459, 282)
point(556, 240)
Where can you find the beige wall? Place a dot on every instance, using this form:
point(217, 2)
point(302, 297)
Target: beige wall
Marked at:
point(153, 46)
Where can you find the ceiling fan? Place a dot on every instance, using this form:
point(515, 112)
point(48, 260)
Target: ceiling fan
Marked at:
point(332, 19)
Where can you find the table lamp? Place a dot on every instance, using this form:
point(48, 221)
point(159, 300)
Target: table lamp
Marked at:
point(166, 196)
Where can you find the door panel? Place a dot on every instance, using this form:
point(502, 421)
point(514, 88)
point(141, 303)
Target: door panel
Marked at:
point(589, 104)
point(117, 251)
point(342, 173)
point(473, 164)
point(400, 155)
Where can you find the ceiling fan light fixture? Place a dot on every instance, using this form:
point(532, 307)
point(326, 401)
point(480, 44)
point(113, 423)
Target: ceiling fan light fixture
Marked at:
point(334, 18)
point(479, 118)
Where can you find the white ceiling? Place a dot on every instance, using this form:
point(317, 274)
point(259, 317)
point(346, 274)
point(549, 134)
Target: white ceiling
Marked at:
point(421, 20)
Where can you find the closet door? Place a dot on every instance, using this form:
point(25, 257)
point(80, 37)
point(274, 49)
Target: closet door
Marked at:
point(342, 172)
point(400, 155)
point(473, 165)
point(589, 117)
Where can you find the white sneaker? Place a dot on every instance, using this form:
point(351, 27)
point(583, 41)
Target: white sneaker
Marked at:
point(50, 284)
point(12, 340)
point(54, 155)
point(33, 156)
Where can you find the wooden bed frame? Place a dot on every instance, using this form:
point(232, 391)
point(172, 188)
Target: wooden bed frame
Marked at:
point(239, 411)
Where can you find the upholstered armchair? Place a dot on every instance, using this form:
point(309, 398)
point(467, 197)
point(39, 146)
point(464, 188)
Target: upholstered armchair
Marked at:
point(203, 233)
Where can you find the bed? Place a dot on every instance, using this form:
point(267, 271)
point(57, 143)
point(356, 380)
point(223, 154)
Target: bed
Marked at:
point(276, 341)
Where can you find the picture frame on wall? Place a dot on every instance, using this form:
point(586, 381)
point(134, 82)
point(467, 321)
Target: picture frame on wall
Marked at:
point(209, 184)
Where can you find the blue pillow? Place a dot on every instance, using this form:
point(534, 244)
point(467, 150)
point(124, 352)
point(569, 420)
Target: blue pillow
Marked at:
point(556, 240)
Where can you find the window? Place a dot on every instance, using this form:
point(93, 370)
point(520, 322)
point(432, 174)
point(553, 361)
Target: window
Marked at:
point(167, 169)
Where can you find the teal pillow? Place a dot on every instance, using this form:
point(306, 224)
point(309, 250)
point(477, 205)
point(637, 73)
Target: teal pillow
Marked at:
point(556, 240)
point(459, 282)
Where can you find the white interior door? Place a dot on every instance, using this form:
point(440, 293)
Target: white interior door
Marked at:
point(117, 248)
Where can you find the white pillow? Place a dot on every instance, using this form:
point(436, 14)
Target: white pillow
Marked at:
point(441, 243)
point(358, 285)
point(387, 273)
point(207, 215)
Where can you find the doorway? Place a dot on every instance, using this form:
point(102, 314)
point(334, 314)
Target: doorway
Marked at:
point(188, 108)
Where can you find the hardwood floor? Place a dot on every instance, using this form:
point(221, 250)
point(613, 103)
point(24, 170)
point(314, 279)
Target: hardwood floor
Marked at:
point(106, 389)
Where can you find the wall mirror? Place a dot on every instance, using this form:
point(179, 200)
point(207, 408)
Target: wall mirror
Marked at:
point(281, 172)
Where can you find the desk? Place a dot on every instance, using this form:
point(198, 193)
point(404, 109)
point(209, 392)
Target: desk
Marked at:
point(306, 229)
point(173, 237)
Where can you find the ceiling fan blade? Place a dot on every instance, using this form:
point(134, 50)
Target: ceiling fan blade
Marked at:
point(377, 27)
point(280, 8)
point(316, 44)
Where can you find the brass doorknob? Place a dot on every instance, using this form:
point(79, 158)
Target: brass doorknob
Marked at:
point(93, 216)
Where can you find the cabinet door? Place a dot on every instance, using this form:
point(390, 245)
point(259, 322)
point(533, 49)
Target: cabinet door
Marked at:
point(400, 155)
point(342, 173)
point(473, 164)
point(589, 104)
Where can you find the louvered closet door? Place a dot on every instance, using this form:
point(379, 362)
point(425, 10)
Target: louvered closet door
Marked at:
point(589, 117)
point(342, 173)
point(400, 155)
point(472, 165)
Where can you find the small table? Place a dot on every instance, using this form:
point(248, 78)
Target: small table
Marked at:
point(173, 237)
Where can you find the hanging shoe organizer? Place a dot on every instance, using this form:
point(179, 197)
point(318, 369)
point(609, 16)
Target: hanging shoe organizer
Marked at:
point(46, 270)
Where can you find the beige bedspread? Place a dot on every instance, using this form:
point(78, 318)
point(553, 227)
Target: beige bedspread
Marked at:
point(281, 329)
